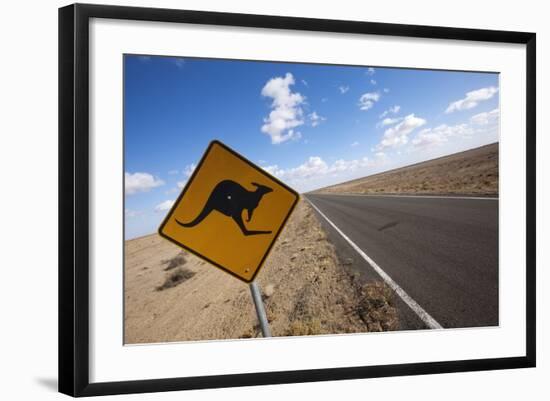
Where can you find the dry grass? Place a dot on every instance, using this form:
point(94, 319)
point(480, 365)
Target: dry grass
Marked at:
point(176, 261)
point(307, 327)
point(473, 172)
point(175, 278)
point(374, 304)
point(376, 307)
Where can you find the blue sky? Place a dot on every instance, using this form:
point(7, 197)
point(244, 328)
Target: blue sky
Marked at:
point(310, 125)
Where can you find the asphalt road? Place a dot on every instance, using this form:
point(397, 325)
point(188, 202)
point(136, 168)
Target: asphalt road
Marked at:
point(442, 251)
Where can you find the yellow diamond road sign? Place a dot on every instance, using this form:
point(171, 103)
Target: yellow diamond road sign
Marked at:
point(230, 213)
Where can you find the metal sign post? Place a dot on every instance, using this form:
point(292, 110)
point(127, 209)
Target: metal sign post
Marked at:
point(260, 311)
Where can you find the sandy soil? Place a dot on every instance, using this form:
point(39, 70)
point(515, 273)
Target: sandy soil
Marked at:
point(171, 295)
point(473, 172)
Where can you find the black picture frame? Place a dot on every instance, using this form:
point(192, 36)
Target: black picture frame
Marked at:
point(74, 198)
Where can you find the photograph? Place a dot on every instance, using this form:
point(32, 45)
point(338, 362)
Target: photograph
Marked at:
point(328, 199)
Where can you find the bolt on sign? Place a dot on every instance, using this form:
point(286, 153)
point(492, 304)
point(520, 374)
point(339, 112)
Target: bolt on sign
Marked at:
point(230, 213)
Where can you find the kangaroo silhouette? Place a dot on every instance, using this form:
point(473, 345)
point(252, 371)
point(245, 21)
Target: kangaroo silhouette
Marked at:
point(231, 198)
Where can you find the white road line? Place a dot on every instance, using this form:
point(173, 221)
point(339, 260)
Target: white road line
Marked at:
point(422, 314)
point(414, 196)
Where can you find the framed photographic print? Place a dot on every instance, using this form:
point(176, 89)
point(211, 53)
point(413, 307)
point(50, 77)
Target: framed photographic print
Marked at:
point(250, 199)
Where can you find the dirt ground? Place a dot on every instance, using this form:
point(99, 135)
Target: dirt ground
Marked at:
point(473, 172)
point(171, 295)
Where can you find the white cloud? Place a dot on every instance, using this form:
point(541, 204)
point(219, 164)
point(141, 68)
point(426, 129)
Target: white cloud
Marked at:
point(312, 167)
point(316, 167)
point(273, 170)
point(324, 100)
point(370, 71)
point(341, 165)
point(173, 172)
point(287, 113)
point(188, 170)
point(367, 100)
point(472, 99)
point(428, 138)
point(394, 110)
point(316, 172)
point(140, 182)
point(343, 89)
point(485, 118)
point(304, 82)
point(354, 144)
point(398, 134)
point(128, 213)
point(179, 62)
point(315, 119)
point(373, 82)
point(386, 90)
point(164, 206)
point(389, 121)
point(481, 129)
point(436, 136)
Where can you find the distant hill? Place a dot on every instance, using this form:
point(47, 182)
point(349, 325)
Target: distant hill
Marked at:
point(472, 172)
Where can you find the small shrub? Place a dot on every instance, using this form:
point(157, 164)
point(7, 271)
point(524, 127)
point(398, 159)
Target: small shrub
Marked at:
point(376, 307)
point(306, 327)
point(175, 278)
point(176, 261)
